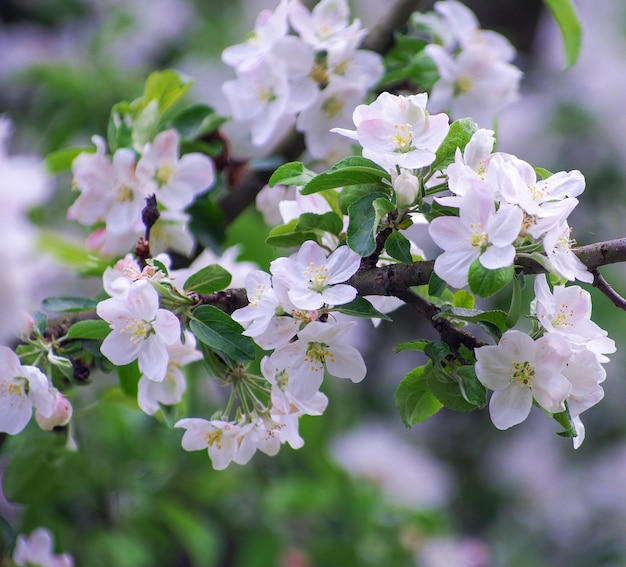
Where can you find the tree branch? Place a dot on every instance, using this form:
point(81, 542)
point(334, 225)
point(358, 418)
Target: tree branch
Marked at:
point(604, 286)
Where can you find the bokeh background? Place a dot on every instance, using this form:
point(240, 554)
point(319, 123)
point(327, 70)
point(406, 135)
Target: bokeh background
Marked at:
point(364, 491)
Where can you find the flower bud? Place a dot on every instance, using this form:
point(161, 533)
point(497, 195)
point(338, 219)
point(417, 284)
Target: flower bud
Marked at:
point(61, 414)
point(407, 187)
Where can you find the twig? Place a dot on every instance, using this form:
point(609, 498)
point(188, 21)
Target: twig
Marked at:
point(604, 286)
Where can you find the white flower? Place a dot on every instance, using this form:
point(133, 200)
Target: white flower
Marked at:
point(140, 330)
point(312, 279)
point(174, 181)
point(170, 391)
point(262, 304)
point(222, 439)
point(398, 131)
point(21, 389)
point(478, 232)
point(321, 26)
point(519, 369)
point(36, 550)
point(557, 244)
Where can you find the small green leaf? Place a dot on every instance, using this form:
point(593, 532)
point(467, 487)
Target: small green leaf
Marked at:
point(447, 389)
point(543, 173)
point(129, 376)
point(120, 127)
point(399, 247)
point(196, 121)
point(463, 299)
point(326, 222)
point(209, 279)
point(437, 351)
point(566, 18)
point(495, 316)
point(565, 420)
point(414, 400)
point(484, 282)
point(361, 307)
point(61, 160)
point(353, 193)
point(363, 224)
point(217, 330)
point(515, 309)
point(287, 235)
point(68, 304)
point(411, 345)
point(471, 387)
point(166, 88)
point(349, 171)
point(460, 133)
point(292, 173)
point(436, 286)
point(96, 330)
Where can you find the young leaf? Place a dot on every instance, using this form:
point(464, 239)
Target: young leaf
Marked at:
point(460, 133)
point(463, 299)
point(363, 224)
point(59, 161)
point(566, 18)
point(292, 173)
point(413, 398)
point(326, 222)
point(353, 193)
point(196, 121)
point(361, 307)
point(495, 316)
point(449, 392)
point(217, 330)
point(484, 282)
point(437, 351)
point(69, 304)
point(288, 235)
point(436, 286)
point(209, 279)
point(411, 345)
point(164, 87)
point(95, 330)
point(399, 247)
point(349, 171)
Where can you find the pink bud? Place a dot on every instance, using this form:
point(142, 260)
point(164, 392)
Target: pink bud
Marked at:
point(61, 414)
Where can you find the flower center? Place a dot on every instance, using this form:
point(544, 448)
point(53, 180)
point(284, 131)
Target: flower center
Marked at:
point(403, 138)
point(125, 194)
point(332, 108)
point(139, 330)
point(164, 174)
point(266, 95)
point(257, 295)
point(317, 353)
point(462, 85)
point(16, 389)
point(317, 276)
point(215, 438)
point(522, 372)
point(479, 237)
point(563, 316)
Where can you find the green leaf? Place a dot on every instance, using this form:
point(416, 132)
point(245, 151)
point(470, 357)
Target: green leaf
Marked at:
point(411, 345)
point(361, 307)
point(69, 304)
point(484, 282)
point(349, 171)
point(209, 279)
point(353, 193)
point(463, 299)
point(292, 173)
point(196, 121)
point(515, 309)
point(565, 420)
point(566, 18)
point(399, 247)
point(495, 317)
point(460, 133)
point(326, 222)
point(120, 127)
point(414, 400)
point(96, 330)
point(543, 173)
point(129, 376)
point(453, 391)
point(59, 161)
point(166, 88)
point(287, 235)
point(436, 286)
point(437, 351)
point(216, 329)
point(363, 224)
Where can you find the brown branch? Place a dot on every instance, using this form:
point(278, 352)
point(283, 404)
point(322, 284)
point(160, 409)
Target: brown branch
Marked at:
point(604, 286)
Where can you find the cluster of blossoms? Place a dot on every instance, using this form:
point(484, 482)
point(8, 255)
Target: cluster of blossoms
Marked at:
point(113, 190)
point(562, 370)
point(289, 313)
point(477, 78)
point(313, 79)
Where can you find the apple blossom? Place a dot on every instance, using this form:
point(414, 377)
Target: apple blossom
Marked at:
point(519, 369)
point(36, 550)
point(140, 330)
point(396, 130)
point(313, 279)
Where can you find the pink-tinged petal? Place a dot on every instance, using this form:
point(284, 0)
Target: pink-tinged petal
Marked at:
point(453, 266)
point(165, 145)
point(114, 311)
point(339, 294)
point(504, 227)
point(197, 171)
point(167, 326)
point(510, 406)
point(449, 233)
point(493, 367)
point(15, 409)
point(342, 264)
point(39, 391)
point(445, 65)
point(551, 391)
point(153, 359)
point(143, 300)
point(287, 271)
point(498, 257)
point(305, 298)
point(119, 349)
point(311, 253)
point(147, 395)
point(346, 362)
point(10, 365)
